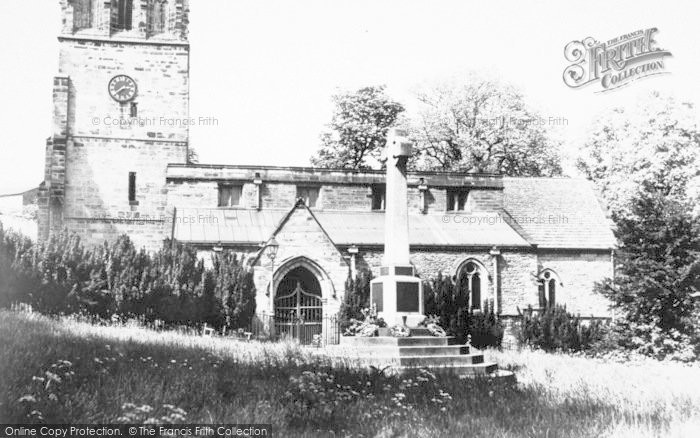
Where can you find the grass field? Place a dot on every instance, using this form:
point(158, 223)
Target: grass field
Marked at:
point(65, 371)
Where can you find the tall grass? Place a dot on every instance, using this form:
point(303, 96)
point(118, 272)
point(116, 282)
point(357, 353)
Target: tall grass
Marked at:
point(213, 380)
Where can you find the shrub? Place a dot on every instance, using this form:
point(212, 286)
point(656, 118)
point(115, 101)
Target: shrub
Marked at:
point(356, 299)
point(447, 301)
point(485, 329)
point(61, 276)
point(439, 296)
point(236, 287)
point(555, 329)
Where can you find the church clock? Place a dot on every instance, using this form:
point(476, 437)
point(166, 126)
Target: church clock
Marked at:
point(122, 88)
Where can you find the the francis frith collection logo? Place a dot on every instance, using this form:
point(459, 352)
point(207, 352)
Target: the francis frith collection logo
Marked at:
point(616, 62)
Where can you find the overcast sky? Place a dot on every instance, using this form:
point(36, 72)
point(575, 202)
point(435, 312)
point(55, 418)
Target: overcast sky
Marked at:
point(267, 69)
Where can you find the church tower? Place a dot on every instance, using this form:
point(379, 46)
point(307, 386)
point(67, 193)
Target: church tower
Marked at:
point(120, 115)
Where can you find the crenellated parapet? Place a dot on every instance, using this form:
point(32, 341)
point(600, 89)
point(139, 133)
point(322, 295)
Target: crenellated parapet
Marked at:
point(157, 20)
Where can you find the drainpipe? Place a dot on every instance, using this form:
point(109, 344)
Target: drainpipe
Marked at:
point(495, 252)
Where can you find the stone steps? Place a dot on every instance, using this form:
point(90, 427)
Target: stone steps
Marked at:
point(482, 369)
point(420, 331)
point(433, 350)
point(441, 360)
point(421, 350)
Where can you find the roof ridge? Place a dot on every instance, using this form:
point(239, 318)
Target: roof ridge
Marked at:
point(573, 178)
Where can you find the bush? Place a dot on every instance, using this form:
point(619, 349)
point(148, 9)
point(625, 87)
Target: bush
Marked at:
point(356, 299)
point(447, 300)
point(236, 288)
point(555, 329)
point(485, 329)
point(61, 276)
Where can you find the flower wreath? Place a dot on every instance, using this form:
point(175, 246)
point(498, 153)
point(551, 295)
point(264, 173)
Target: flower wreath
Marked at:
point(400, 331)
point(436, 330)
point(367, 329)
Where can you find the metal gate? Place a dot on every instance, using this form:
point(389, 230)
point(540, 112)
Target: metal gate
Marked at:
point(299, 315)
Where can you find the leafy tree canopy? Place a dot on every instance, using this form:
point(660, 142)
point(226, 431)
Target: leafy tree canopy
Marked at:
point(481, 125)
point(656, 142)
point(358, 129)
point(657, 281)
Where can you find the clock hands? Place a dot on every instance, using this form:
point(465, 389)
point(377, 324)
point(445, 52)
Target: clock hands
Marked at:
point(122, 88)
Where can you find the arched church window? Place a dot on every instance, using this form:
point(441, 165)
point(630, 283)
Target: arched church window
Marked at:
point(472, 275)
point(121, 14)
point(157, 16)
point(547, 285)
point(82, 14)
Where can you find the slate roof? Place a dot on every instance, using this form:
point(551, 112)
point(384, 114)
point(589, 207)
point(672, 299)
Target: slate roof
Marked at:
point(558, 212)
point(346, 228)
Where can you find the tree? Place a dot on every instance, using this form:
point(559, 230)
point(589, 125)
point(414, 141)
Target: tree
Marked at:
point(629, 148)
point(358, 129)
point(658, 271)
point(482, 126)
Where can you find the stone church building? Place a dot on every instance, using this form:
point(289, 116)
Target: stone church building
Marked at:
point(114, 165)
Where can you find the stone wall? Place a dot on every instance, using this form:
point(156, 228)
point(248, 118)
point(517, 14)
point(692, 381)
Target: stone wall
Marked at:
point(278, 195)
point(346, 197)
point(517, 275)
point(578, 271)
point(155, 67)
point(97, 187)
point(486, 200)
point(148, 234)
point(203, 193)
point(96, 142)
point(518, 281)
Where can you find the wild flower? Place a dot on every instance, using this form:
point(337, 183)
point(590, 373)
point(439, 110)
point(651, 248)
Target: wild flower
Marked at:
point(27, 398)
point(52, 377)
point(168, 414)
point(42, 396)
point(446, 395)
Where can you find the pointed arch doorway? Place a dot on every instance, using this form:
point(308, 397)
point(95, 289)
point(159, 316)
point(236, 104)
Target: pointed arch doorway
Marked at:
point(298, 307)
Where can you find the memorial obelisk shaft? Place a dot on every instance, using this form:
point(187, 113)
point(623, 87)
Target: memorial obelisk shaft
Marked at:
point(396, 244)
point(397, 293)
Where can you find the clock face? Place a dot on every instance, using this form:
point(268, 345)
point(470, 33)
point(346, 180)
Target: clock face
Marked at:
point(122, 88)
